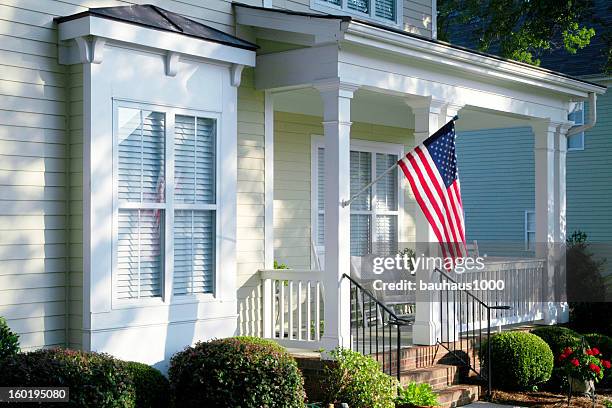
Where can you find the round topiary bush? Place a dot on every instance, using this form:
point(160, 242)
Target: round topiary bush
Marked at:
point(358, 380)
point(9, 341)
point(95, 380)
point(558, 338)
point(151, 387)
point(236, 372)
point(519, 360)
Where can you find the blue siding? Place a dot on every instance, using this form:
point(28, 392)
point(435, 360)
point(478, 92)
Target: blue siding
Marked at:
point(496, 169)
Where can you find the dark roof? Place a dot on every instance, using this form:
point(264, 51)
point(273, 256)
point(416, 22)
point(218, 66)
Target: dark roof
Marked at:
point(455, 45)
point(590, 60)
point(151, 16)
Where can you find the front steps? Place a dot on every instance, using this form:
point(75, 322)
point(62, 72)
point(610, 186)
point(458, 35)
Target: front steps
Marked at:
point(434, 365)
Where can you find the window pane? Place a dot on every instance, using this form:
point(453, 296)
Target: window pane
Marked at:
point(336, 2)
point(320, 229)
point(194, 252)
point(139, 254)
point(531, 222)
point(386, 188)
point(361, 175)
point(576, 141)
point(359, 5)
point(531, 240)
point(141, 155)
point(360, 234)
point(194, 152)
point(385, 9)
point(386, 235)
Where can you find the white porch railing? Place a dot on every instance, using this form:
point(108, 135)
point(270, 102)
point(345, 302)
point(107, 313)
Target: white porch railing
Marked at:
point(523, 286)
point(293, 306)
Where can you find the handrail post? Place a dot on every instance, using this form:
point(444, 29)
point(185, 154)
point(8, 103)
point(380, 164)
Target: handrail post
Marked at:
point(489, 376)
point(268, 318)
point(397, 353)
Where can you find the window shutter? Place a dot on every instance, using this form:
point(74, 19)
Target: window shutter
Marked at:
point(194, 158)
point(360, 234)
point(139, 254)
point(194, 252)
point(386, 234)
point(385, 9)
point(386, 188)
point(320, 196)
point(141, 155)
point(363, 6)
point(361, 175)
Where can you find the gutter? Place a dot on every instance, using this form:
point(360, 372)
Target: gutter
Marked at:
point(592, 117)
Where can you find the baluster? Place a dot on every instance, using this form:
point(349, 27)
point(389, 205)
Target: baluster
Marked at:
point(308, 316)
point(299, 301)
point(282, 309)
point(290, 310)
point(318, 312)
point(273, 308)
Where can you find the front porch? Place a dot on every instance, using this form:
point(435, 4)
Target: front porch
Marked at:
point(345, 95)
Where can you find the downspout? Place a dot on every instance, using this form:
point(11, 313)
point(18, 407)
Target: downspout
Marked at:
point(592, 117)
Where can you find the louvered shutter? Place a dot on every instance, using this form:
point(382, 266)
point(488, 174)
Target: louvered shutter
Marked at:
point(361, 175)
point(139, 254)
point(194, 251)
point(360, 234)
point(140, 169)
point(385, 9)
point(194, 228)
point(386, 201)
point(320, 196)
point(141, 155)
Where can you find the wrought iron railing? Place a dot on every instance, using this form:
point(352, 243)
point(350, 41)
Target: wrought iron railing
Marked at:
point(376, 328)
point(465, 320)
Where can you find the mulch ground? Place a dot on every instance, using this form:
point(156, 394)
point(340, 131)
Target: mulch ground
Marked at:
point(548, 399)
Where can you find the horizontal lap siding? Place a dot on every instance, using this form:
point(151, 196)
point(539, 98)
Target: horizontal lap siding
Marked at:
point(250, 245)
point(41, 188)
point(418, 17)
point(496, 169)
point(292, 182)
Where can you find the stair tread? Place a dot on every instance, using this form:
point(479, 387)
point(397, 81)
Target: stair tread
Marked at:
point(457, 395)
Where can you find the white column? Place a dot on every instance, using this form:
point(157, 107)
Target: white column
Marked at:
point(268, 295)
point(429, 116)
point(336, 98)
point(550, 152)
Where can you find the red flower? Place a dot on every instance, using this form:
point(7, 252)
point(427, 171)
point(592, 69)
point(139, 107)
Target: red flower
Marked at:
point(595, 368)
point(575, 362)
point(589, 352)
point(567, 351)
point(562, 357)
point(595, 351)
point(606, 364)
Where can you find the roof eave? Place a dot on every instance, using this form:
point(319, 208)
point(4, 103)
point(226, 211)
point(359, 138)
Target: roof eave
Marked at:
point(441, 53)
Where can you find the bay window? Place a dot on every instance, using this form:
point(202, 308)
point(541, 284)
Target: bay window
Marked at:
point(165, 231)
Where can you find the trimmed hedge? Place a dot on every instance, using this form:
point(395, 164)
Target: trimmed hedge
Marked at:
point(519, 360)
point(558, 338)
point(9, 341)
point(151, 387)
point(95, 379)
point(236, 372)
point(358, 380)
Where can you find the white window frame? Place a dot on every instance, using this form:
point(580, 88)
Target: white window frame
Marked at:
point(580, 136)
point(169, 207)
point(526, 229)
point(372, 147)
point(342, 9)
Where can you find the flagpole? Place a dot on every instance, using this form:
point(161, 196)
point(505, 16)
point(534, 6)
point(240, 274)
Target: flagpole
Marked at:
point(348, 202)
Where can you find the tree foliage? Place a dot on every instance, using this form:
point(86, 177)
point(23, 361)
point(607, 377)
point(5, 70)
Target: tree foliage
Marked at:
point(521, 30)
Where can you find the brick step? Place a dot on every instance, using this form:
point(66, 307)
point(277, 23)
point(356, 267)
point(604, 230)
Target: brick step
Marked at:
point(458, 395)
point(438, 376)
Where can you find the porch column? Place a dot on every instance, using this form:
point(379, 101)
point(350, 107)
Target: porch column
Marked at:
point(550, 152)
point(336, 98)
point(429, 116)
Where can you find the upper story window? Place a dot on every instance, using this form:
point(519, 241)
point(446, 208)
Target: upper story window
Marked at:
point(384, 11)
point(530, 230)
point(576, 142)
point(165, 177)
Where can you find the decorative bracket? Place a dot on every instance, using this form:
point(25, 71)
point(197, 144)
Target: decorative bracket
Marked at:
point(172, 60)
point(90, 50)
point(236, 74)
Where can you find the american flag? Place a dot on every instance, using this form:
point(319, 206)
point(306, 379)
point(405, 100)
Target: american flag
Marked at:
point(431, 169)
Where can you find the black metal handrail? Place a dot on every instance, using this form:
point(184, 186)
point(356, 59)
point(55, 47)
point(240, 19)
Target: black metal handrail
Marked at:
point(467, 302)
point(369, 303)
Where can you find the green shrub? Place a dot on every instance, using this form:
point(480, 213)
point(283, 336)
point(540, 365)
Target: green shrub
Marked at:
point(417, 395)
point(95, 380)
point(236, 372)
point(9, 341)
point(558, 338)
point(358, 380)
point(152, 388)
point(604, 344)
point(519, 360)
